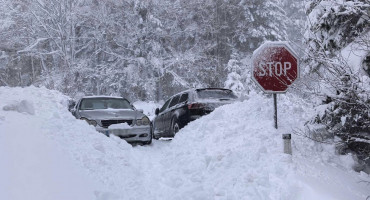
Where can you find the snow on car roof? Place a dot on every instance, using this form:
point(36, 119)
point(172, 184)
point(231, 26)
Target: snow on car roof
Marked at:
point(90, 97)
point(198, 89)
point(211, 89)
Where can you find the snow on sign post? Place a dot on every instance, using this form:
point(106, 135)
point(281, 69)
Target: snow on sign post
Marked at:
point(275, 68)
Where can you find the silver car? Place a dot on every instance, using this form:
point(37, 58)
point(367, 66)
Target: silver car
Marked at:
point(114, 115)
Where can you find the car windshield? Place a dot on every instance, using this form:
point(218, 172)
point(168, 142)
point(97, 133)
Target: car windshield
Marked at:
point(104, 103)
point(216, 94)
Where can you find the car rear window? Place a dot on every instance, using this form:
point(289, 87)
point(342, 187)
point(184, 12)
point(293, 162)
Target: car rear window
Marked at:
point(216, 94)
point(104, 103)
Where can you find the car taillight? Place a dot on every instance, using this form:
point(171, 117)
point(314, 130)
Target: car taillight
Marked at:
point(195, 106)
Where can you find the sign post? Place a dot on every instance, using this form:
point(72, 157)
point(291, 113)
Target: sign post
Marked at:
point(275, 68)
point(275, 112)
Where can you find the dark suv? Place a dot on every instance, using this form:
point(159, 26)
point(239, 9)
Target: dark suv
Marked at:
point(187, 106)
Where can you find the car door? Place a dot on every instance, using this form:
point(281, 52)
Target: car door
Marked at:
point(158, 123)
point(76, 110)
point(182, 111)
point(169, 113)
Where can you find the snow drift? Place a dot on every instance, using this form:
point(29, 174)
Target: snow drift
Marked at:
point(232, 153)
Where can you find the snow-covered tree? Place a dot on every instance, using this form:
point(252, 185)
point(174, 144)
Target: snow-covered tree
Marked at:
point(264, 20)
point(146, 49)
point(332, 25)
point(233, 80)
point(337, 39)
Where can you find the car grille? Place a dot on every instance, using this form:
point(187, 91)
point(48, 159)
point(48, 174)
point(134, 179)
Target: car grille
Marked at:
point(107, 123)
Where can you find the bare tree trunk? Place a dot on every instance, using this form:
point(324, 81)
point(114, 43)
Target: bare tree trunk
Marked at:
point(33, 70)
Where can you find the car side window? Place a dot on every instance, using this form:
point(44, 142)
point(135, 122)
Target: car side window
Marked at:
point(174, 101)
point(184, 97)
point(165, 105)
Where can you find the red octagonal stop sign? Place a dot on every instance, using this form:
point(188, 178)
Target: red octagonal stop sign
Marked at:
point(275, 67)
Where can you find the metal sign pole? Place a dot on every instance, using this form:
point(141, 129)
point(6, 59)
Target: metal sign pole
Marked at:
point(275, 111)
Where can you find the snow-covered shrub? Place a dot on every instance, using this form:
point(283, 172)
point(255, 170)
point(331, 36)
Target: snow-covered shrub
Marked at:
point(347, 116)
point(337, 41)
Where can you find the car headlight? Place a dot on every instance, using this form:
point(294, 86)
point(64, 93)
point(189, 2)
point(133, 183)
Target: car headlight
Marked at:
point(138, 122)
point(91, 122)
point(143, 121)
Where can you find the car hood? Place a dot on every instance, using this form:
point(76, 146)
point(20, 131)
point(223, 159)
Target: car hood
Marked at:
point(105, 114)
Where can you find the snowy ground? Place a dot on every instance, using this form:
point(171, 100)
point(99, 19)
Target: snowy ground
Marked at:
point(233, 153)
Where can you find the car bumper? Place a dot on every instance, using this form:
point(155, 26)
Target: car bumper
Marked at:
point(134, 134)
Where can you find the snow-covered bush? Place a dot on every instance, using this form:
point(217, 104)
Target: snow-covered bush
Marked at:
point(348, 117)
point(336, 38)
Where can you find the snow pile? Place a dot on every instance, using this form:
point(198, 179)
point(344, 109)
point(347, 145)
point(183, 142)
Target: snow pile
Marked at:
point(51, 155)
point(233, 153)
point(21, 107)
point(31, 167)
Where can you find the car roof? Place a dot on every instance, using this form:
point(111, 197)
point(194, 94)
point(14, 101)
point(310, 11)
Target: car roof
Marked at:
point(198, 89)
point(111, 97)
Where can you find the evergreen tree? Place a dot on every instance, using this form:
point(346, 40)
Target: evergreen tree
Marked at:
point(264, 20)
point(233, 81)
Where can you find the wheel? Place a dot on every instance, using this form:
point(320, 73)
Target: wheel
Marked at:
point(174, 126)
point(156, 138)
point(147, 143)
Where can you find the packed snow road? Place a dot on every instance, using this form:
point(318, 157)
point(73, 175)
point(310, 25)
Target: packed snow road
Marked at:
point(232, 153)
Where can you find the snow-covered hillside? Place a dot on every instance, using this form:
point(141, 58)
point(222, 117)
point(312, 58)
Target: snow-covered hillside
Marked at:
point(233, 153)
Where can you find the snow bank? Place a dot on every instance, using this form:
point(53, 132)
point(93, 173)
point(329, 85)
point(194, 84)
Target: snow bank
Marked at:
point(21, 107)
point(51, 155)
point(233, 153)
point(30, 165)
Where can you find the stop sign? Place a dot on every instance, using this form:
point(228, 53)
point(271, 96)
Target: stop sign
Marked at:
point(275, 67)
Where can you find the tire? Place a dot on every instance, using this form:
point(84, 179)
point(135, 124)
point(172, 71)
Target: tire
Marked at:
point(156, 138)
point(175, 127)
point(147, 143)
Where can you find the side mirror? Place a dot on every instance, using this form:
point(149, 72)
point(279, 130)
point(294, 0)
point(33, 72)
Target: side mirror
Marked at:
point(156, 111)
